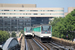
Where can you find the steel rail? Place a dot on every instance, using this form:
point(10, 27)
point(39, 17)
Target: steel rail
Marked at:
point(38, 44)
point(30, 46)
point(26, 48)
point(56, 46)
point(44, 46)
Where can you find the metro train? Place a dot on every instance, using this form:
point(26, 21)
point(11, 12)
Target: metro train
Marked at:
point(28, 32)
point(44, 32)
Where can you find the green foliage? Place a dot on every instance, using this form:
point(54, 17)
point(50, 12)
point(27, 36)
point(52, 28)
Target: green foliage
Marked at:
point(19, 34)
point(22, 32)
point(4, 35)
point(13, 34)
point(63, 26)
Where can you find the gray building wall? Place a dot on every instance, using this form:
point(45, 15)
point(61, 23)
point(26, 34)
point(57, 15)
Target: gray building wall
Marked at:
point(14, 17)
point(14, 24)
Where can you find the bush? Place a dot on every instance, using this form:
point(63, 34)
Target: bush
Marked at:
point(13, 34)
point(22, 32)
point(64, 26)
point(4, 35)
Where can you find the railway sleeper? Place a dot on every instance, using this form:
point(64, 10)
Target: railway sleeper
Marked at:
point(45, 39)
point(28, 36)
point(45, 47)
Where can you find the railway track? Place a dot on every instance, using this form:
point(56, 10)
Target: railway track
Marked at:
point(29, 45)
point(64, 47)
point(34, 44)
point(42, 45)
point(54, 46)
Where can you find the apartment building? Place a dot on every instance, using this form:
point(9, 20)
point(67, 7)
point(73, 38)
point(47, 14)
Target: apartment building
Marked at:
point(69, 10)
point(14, 17)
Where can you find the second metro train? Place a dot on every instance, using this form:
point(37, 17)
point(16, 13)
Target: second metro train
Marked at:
point(44, 32)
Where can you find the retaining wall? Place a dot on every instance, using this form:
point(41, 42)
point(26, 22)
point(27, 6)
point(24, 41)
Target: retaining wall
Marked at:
point(63, 41)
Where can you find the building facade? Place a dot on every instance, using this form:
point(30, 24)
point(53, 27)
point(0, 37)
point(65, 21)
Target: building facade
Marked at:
point(69, 10)
point(14, 17)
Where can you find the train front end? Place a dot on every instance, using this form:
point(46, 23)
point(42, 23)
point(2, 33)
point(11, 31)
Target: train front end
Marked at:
point(28, 32)
point(46, 33)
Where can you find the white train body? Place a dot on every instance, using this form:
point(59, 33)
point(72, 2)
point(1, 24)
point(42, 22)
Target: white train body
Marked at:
point(29, 34)
point(43, 31)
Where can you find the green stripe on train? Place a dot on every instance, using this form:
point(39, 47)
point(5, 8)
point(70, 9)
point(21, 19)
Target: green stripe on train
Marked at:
point(24, 29)
point(37, 29)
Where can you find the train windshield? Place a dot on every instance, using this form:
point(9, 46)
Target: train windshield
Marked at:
point(45, 28)
point(28, 29)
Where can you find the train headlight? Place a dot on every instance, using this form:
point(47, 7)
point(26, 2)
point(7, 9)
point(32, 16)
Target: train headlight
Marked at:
point(41, 36)
point(49, 36)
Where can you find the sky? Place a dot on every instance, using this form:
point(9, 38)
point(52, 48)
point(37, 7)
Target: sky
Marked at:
point(44, 3)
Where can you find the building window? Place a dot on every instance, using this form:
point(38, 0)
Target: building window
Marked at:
point(43, 10)
point(16, 10)
point(42, 14)
point(14, 17)
point(34, 10)
point(26, 10)
point(22, 17)
point(11, 10)
point(47, 13)
point(58, 10)
point(5, 17)
point(40, 10)
point(0, 17)
point(21, 10)
point(1, 10)
point(51, 10)
point(28, 13)
point(6, 10)
point(57, 13)
point(35, 14)
point(23, 13)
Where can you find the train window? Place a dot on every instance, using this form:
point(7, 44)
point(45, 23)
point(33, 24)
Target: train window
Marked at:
point(45, 28)
point(28, 29)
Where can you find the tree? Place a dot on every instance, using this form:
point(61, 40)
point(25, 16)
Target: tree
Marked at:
point(13, 34)
point(22, 32)
point(4, 35)
point(62, 26)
